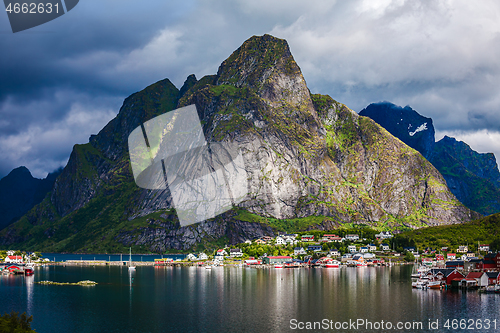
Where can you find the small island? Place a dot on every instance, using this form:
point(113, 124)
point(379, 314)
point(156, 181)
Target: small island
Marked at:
point(80, 283)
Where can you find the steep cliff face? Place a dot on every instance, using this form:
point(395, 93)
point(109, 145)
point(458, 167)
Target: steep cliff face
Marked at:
point(309, 160)
point(472, 177)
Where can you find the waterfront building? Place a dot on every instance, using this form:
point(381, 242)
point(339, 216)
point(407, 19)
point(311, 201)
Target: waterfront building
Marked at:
point(444, 274)
point(12, 259)
point(480, 277)
point(269, 260)
point(457, 264)
point(495, 257)
point(191, 257)
point(202, 256)
point(493, 277)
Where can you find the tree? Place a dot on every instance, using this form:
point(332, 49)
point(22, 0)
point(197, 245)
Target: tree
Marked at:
point(12, 323)
point(409, 256)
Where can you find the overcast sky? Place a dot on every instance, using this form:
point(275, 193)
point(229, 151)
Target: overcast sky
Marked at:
point(64, 80)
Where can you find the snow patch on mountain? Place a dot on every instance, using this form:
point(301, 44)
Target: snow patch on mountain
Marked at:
point(420, 128)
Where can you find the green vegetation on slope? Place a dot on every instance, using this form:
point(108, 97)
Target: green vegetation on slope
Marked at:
point(485, 231)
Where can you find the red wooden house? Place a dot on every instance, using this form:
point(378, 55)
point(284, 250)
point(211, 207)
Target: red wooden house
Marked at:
point(493, 277)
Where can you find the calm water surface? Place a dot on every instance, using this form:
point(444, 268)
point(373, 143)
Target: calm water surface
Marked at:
point(233, 299)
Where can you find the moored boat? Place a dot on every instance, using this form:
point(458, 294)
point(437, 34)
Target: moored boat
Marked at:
point(332, 264)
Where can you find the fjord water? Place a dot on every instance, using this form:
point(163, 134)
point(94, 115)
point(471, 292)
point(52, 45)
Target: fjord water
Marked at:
point(231, 299)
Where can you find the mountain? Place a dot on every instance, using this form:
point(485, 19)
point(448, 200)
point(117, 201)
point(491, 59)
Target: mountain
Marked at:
point(20, 191)
point(405, 124)
point(311, 163)
point(472, 177)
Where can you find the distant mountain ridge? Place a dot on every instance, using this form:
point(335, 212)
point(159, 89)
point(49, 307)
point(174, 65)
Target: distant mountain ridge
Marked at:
point(474, 178)
point(311, 163)
point(20, 191)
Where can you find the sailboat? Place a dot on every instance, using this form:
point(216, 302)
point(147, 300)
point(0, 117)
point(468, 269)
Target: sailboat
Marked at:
point(130, 267)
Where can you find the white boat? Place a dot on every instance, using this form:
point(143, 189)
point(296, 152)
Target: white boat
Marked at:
point(278, 266)
point(130, 267)
point(208, 267)
point(332, 264)
point(434, 284)
point(419, 284)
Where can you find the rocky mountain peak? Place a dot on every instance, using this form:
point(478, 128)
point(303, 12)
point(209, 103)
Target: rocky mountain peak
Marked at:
point(265, 64)
point(405, 123)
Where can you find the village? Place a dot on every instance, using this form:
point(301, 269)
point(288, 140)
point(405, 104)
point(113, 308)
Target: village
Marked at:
point(434, 268)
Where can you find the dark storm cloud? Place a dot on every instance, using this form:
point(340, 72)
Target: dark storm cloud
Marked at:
point(71, 74)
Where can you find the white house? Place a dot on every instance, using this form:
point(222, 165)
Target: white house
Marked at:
point(383, 235)
point(384, 247)
point(463, 249)
point(14, 259)
point(334, 253)
point(372, 247)
point(280, 241)
point(221, 252)
point(191, 257)
point(235, 253)
point(352, 248)
point(352, 237)
point(363, 249)
point(484, 247)
point(299, 250)
point(202, 256)
point(248, 241)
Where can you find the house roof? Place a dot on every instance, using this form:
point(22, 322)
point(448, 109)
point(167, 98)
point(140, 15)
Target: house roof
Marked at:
point(475, 275)
point(445, 271)
point(298, 248)
point(384, 244)
point(279, 257)
point(308, 236)
point(235, 250)
point(15, 257)
point(492, 275)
